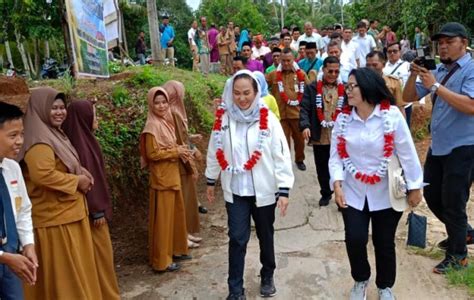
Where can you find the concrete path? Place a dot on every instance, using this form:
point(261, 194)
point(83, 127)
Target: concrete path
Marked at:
point(311, 257)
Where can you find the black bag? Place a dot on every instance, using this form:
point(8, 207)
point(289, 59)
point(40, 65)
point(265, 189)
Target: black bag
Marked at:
point(416, 230)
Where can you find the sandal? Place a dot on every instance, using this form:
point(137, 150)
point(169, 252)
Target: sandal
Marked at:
point(193, 238)
point(192, 244)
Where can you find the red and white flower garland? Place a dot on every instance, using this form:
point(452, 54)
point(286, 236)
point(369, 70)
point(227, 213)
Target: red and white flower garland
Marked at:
point(319, 104)
point(387, 148)
point(218, 142)
point(299, 85)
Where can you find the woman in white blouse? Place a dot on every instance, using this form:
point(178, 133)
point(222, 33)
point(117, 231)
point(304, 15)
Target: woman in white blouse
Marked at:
point(367, 133)
point(249, 150)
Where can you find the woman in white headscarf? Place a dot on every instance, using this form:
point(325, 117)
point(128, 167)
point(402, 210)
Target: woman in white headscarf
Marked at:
point(249, 150)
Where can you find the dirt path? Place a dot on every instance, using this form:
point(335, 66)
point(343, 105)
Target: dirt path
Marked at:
point(311, 258)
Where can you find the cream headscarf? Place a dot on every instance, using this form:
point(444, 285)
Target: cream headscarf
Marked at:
point(175, 90)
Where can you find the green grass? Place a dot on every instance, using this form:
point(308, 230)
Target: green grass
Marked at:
point(464, 277)
point(431, 252)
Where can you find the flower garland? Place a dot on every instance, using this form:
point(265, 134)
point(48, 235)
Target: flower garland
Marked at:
point(218, 142)
point(387, 148)
point(319, 104)
point(299, 85)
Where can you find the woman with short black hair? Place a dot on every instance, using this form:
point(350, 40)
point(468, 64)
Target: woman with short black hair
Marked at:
point(369, 133)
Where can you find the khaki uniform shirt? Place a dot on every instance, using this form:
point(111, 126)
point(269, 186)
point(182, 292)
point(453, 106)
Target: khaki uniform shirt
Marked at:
point(395, 87)
point(329, 106)
point(223, 48)
point(289, 81)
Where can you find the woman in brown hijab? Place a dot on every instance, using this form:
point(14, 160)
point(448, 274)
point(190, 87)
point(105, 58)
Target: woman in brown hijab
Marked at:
point(161, 153)
point(188, 171)
point(56, 184)
point(79, 126)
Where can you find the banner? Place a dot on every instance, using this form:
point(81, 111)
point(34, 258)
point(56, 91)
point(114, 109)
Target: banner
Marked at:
point(87, 28)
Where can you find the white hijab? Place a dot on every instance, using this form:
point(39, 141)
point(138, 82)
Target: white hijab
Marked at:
point(252, 113)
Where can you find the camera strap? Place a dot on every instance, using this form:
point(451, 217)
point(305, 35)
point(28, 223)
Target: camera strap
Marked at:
point(396, 68)
point(443, 82)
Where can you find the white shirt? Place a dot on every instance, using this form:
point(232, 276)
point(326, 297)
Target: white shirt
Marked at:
point(347, 62)
point(402, 72)
point(256, 53)
point(21, 203)
point(364, 143)
point(365, 45)
point(326, 41)
point(315, 38)
point(191, 34)
point(350, 47)
point(242, 184)
point(294, 45)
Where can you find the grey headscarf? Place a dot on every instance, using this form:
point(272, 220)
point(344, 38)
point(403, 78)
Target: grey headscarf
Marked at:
point(244, 116)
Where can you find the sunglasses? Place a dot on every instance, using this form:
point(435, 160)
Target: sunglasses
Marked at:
point(392, 51)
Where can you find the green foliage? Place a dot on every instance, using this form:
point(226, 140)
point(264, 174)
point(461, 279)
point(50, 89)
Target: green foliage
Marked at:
point(120, 96)
point(464, 277)
point(116, 67)
point(67, 83)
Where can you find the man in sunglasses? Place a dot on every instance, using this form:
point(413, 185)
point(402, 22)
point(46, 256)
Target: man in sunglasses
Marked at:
point(315, 131)
point(399, 68)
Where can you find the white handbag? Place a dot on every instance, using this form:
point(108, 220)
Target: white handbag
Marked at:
point(397, 185)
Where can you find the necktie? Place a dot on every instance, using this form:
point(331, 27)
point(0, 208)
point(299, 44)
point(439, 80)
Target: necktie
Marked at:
point(7, 219)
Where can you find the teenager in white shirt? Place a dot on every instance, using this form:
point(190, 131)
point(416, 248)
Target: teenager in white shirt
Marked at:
point(358, 167)
point(249, 151)
point(17, 249)
point(365, 43)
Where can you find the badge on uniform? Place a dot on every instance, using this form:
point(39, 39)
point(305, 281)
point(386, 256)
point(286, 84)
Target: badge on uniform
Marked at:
point(18, 199)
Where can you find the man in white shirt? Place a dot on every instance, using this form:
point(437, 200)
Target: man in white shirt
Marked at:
point(259, 50)
point(349, 46)
point(16, 226)
point(365, 43)
point(312, 37)
point(295, 35)
point(346, 59)
point(395, 66)
point(193, 46)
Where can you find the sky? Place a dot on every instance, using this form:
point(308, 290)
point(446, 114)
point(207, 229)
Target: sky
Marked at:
point(194, 4)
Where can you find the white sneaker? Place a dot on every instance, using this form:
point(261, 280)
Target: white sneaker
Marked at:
point(359, 290)
point(386, 294)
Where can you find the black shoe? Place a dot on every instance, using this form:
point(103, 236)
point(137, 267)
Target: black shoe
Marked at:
point(301, 166)
point(171, 268)
point(451, 263)
point(267, 287)
point(202, 210)
point(443, 245)
point(182, 257)
point(324, 201)
point(236, 296)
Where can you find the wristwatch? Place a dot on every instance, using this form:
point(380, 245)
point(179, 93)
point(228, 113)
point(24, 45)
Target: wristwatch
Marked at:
point(435, 87)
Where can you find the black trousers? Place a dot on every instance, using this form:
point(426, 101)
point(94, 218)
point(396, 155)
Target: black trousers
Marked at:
point(321, 159)
point(384, 225)
point(449, 178)
point(238, 214)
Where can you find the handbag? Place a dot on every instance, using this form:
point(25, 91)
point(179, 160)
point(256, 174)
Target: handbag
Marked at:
point(397, 186)
point(416, 230)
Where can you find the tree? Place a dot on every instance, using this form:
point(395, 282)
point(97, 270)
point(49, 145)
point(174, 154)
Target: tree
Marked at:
point(153, 26)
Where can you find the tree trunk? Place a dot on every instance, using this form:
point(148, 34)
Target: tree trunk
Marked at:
point(30, 62)
point(282, 18)
point(46, 49)
point(154, 33)
point(21, 49)
point(9, 53)
point(67, 37)
point(37, 56)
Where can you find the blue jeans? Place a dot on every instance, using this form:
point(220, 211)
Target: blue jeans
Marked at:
point(238, 214)
point(11, 287)
point(141, 57)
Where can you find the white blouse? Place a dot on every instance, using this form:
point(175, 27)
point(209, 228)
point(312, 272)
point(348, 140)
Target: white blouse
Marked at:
point(364, 144)
point(242, 184)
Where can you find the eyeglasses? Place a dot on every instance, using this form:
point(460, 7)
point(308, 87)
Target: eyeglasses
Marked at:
point(350, 86)
point(392, 51)
point(333, 71)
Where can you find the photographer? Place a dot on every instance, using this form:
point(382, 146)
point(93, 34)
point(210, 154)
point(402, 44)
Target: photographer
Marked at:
point(450, 159)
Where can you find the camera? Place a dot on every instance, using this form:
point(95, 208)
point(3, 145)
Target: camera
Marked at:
point(424, 59)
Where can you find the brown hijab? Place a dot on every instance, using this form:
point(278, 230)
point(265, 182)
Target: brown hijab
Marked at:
point(38, 129)
point(176, 94)
point(78, 127)
point(162, 128)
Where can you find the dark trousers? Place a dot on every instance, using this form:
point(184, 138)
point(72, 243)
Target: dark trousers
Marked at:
point(408, 112)
point(384, 225)
point(11, 287)
point(238, 214)
point(449, 178)
point(292, 131)
point(321, 159)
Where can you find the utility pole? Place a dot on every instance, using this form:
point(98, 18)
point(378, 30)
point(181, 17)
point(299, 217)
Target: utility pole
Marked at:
point(281, 12)
point(342, 12)
point(154, 32)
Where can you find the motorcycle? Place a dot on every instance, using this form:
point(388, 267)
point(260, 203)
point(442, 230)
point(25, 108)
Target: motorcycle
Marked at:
point(50, 69)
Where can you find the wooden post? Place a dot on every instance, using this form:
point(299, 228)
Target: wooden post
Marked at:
point(154, 32)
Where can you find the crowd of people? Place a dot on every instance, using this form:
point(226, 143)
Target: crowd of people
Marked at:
point(333, 91)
